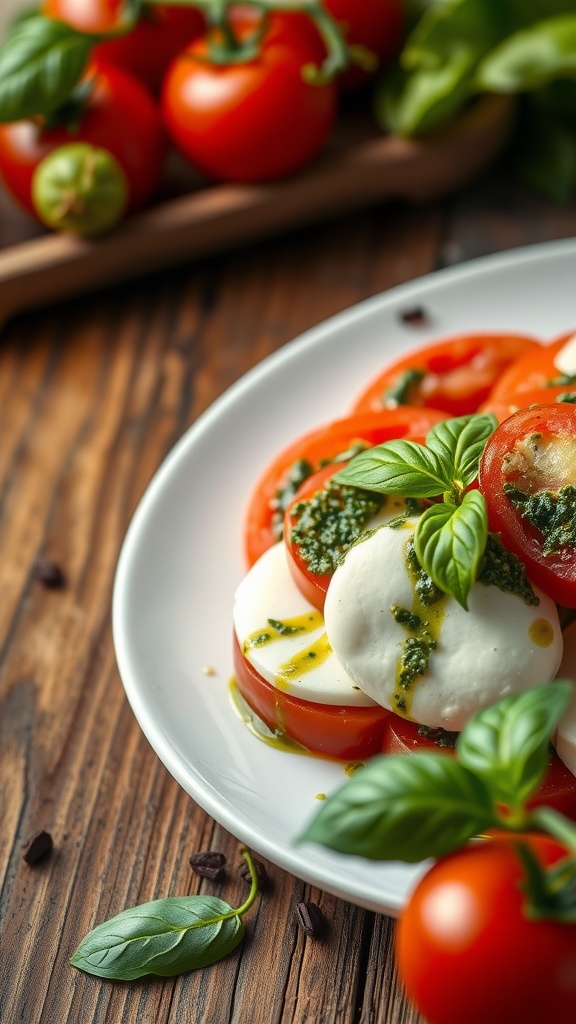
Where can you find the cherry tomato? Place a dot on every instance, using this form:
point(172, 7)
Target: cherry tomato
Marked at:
point(263, 526)
point(255, 120)
point(377, 25)
point(455, 374)
point(119, 115)
point(533, 450)
point(533, 369)
point(145, 51)
point(467, 952)
point(558, 790)
point(331, 730)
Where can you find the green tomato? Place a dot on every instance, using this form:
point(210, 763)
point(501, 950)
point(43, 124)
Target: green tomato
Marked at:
point(80, 188)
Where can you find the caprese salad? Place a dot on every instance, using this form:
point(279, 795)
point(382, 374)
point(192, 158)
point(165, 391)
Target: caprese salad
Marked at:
point(415, 561)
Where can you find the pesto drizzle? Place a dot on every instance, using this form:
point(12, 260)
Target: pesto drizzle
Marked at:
point(552, 513)
point(400, 393)
point(329, 522)
point(500, 568)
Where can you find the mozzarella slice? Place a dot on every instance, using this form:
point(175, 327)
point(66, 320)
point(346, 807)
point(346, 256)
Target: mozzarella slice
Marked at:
point(565, 741)
point(565, 359)
point(498, 647)
point(295, 656)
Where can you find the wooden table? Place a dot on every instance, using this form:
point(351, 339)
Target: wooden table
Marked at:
point(94, 392)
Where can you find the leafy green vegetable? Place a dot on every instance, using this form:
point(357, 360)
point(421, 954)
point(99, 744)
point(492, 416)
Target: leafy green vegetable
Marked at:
point(450, 536)
point(41, 60)
point(413, 806)
point(165, 937)
point(458, 49)
point(450, 542)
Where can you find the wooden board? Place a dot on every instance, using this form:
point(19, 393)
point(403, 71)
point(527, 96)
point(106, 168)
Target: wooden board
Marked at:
point(359, 168)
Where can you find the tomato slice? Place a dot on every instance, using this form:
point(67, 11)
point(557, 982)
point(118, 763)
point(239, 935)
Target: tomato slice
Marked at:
point(455, 374)
point(531, 457)
point(312, 585)
point(505, 406)
point(558, 790)
point(535, 368)
point(330, 730)
point(273, 491)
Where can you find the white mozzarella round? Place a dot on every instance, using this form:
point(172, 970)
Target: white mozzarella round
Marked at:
point(498, 647)
point(565, 740)
point(268, 592)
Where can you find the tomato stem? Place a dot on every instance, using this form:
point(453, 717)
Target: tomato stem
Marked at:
point(339, 55)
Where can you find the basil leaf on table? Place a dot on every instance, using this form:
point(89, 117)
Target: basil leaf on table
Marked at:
point(449, 542)
point(507, 744)
point(531, 57)
point(164, 937)
point(41, 60)
point(397, 467)
point(404, 808)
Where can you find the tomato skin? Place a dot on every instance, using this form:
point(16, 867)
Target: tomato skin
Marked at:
point(554, 573)
point(558, 790)
point(253, 121)
point(330, 730)
point(466, 952)
point(532, 370)
point(504, 407)
point(321, 444)
point(117, 100)
point(460, 372)
point(145, 51)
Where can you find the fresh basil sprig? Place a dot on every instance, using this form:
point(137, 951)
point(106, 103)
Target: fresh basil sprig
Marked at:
point(414, 806)
point(165, 937)
point(450, 536)
point(41, 60)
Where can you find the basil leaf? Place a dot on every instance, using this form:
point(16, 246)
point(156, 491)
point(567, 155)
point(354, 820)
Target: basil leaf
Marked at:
point(164, 937)
point(404, 808)
point(531, 57)
point(41, 61)
point(459, 443)
point(437, 65)
point(507, 743)
point(449, 541)
point(397, 467)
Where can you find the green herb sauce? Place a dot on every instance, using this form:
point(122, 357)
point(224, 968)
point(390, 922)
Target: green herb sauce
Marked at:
point(422, 622)
point(299, 624)
point(552, 513)
point(329, 522)
point(562, 379)
point(500, 568)
point(401, 392)
point(568, 397)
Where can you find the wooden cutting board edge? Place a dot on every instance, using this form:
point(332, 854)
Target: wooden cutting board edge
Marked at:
point(223, 217)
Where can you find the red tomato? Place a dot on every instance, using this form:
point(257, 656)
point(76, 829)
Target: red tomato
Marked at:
point(331, 730)
point(250, 121)
point(534, 369)
point(457, 373)
point(119, 116)
point(502, 408)
point(147, 50)
point(466, 952)
point(264, 515)
point(378, 25)
point(558, 789)
point(534, 450)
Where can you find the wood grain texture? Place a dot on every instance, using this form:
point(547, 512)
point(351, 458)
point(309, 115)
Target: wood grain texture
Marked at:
point(93, 394)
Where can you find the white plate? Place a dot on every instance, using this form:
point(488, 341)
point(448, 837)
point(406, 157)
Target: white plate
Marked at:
point(182, 555)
